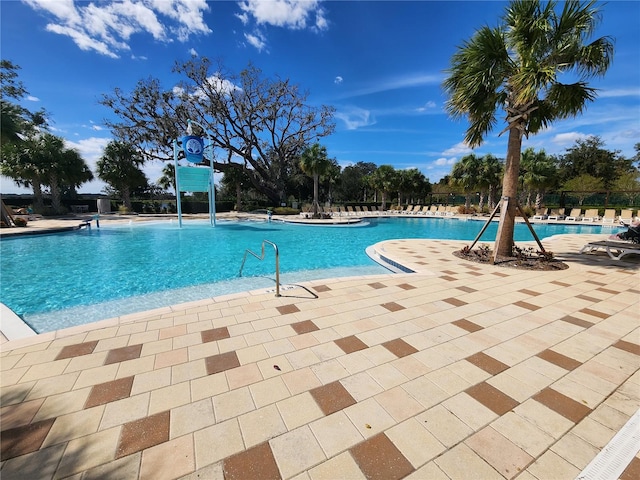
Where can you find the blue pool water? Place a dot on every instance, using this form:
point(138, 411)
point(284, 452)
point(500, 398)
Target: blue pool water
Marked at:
point(56, 281)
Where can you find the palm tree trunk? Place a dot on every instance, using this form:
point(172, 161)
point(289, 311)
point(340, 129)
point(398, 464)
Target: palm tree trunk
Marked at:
point(56, 203)
point(504, 238)
point(126, 198)
point(38, 200)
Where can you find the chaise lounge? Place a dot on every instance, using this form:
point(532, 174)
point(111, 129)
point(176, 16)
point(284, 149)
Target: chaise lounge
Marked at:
point(615, 249)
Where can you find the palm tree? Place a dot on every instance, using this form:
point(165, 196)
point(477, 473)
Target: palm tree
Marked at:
point(465, 175)
point(538, 173)
point(490, 174)
point(119, 166)
point(517, 67)
point(385, 179)
point(314, 162)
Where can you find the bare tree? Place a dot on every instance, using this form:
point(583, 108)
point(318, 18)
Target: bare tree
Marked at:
point(252, 122)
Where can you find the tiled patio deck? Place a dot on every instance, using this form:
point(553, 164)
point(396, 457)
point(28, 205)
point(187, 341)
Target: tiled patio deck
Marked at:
point(458, 371)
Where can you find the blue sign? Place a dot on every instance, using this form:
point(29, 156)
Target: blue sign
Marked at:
point(193, 148)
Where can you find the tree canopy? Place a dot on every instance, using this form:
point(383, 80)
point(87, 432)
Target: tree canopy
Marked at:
point(254, 123)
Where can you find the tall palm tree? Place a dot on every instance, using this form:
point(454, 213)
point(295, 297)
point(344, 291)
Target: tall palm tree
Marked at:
point(490, 175)
point(120, 167)
point(539, 172)
point(465, 175)
point(314, 162)
point(385, 179)
point(517, 67)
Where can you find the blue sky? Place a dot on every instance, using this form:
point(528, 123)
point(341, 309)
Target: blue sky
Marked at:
point(380, 63)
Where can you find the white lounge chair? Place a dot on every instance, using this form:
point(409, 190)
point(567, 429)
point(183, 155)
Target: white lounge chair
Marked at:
point(626, 216)
point(557, 214)
point(541, 214)
point(591, 215)
point(609, 216)
point(576, 213)
point(615, 249)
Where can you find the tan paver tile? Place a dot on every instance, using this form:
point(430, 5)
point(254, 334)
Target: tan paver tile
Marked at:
point(126, 467)
point(399, 404)
point(62, 403)
point(410, 367)
point(355, 362)
point(429, 471)
point(471, 412)
point(593, 432)
point(169, 397)
point(415, 442)
point(387, 376)
point(329, 371)
point(19, 414)
point(378, 457)
point(210, 472)
point(88, 452)
point(544, 418)
point(425, 391)
point(261, 425)
point(302, 358)
point(39, 464)
point(444, 425)
point(256, 462)
point(300, 380)
point(369, 417)
point(575, 450)
point(335, 433)
point(523, 433)
point(35, 372)
point(191, 417)
point(506, 457)
point(462, 462)
point(154, 460)
point(217, 442)
point(551, 465)
point(232, 404)
point(275, 366)
point(94, 376)
point(125, 410)
point(299, 410)
point(243, 375)
point(296, 451)
point(153, 380)
point(342, 466)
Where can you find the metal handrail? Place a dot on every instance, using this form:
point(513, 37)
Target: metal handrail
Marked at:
point(261, 257)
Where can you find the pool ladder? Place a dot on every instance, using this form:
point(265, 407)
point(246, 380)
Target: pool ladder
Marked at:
point(261, 257)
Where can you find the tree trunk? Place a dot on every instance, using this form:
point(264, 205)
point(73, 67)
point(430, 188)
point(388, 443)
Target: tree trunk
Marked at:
point(56, 203)
point(504, 238)
point(315, 194)
point(38, 201)
point(126, 198)
point(238, 196)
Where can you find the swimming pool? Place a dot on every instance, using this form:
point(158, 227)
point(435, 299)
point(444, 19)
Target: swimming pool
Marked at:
point(57, 281)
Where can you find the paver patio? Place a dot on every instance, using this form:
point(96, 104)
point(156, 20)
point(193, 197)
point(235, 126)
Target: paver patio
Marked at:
point(458, 371)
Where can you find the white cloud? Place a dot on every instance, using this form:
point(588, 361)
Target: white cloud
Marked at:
point(31, 98)
point(457, 150)
point(107, 26)
point(413, 80)
point(442, 162)
point(256, 39)
point(193, 52)
point(430, 105)
point(355, 117)
point(619, 92)
point(293, 14)
point(568, 138)
point(338, 80)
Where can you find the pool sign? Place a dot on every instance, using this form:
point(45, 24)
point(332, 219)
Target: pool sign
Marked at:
point(193, 148)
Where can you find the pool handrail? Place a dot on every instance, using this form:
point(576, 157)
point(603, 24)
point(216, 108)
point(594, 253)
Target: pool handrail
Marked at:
point(261, 257)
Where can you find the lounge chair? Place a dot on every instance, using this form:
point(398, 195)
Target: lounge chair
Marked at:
point(626, 216)
point(609, 216)
point(442, 210)
point(451, 211)
point(407, 210)
point(541, 214)
point(576, 213)
point(557, 214)
point(433, 209)
point(591, 215)
point(350, 210)
point(423, 210)
point(615, 249)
